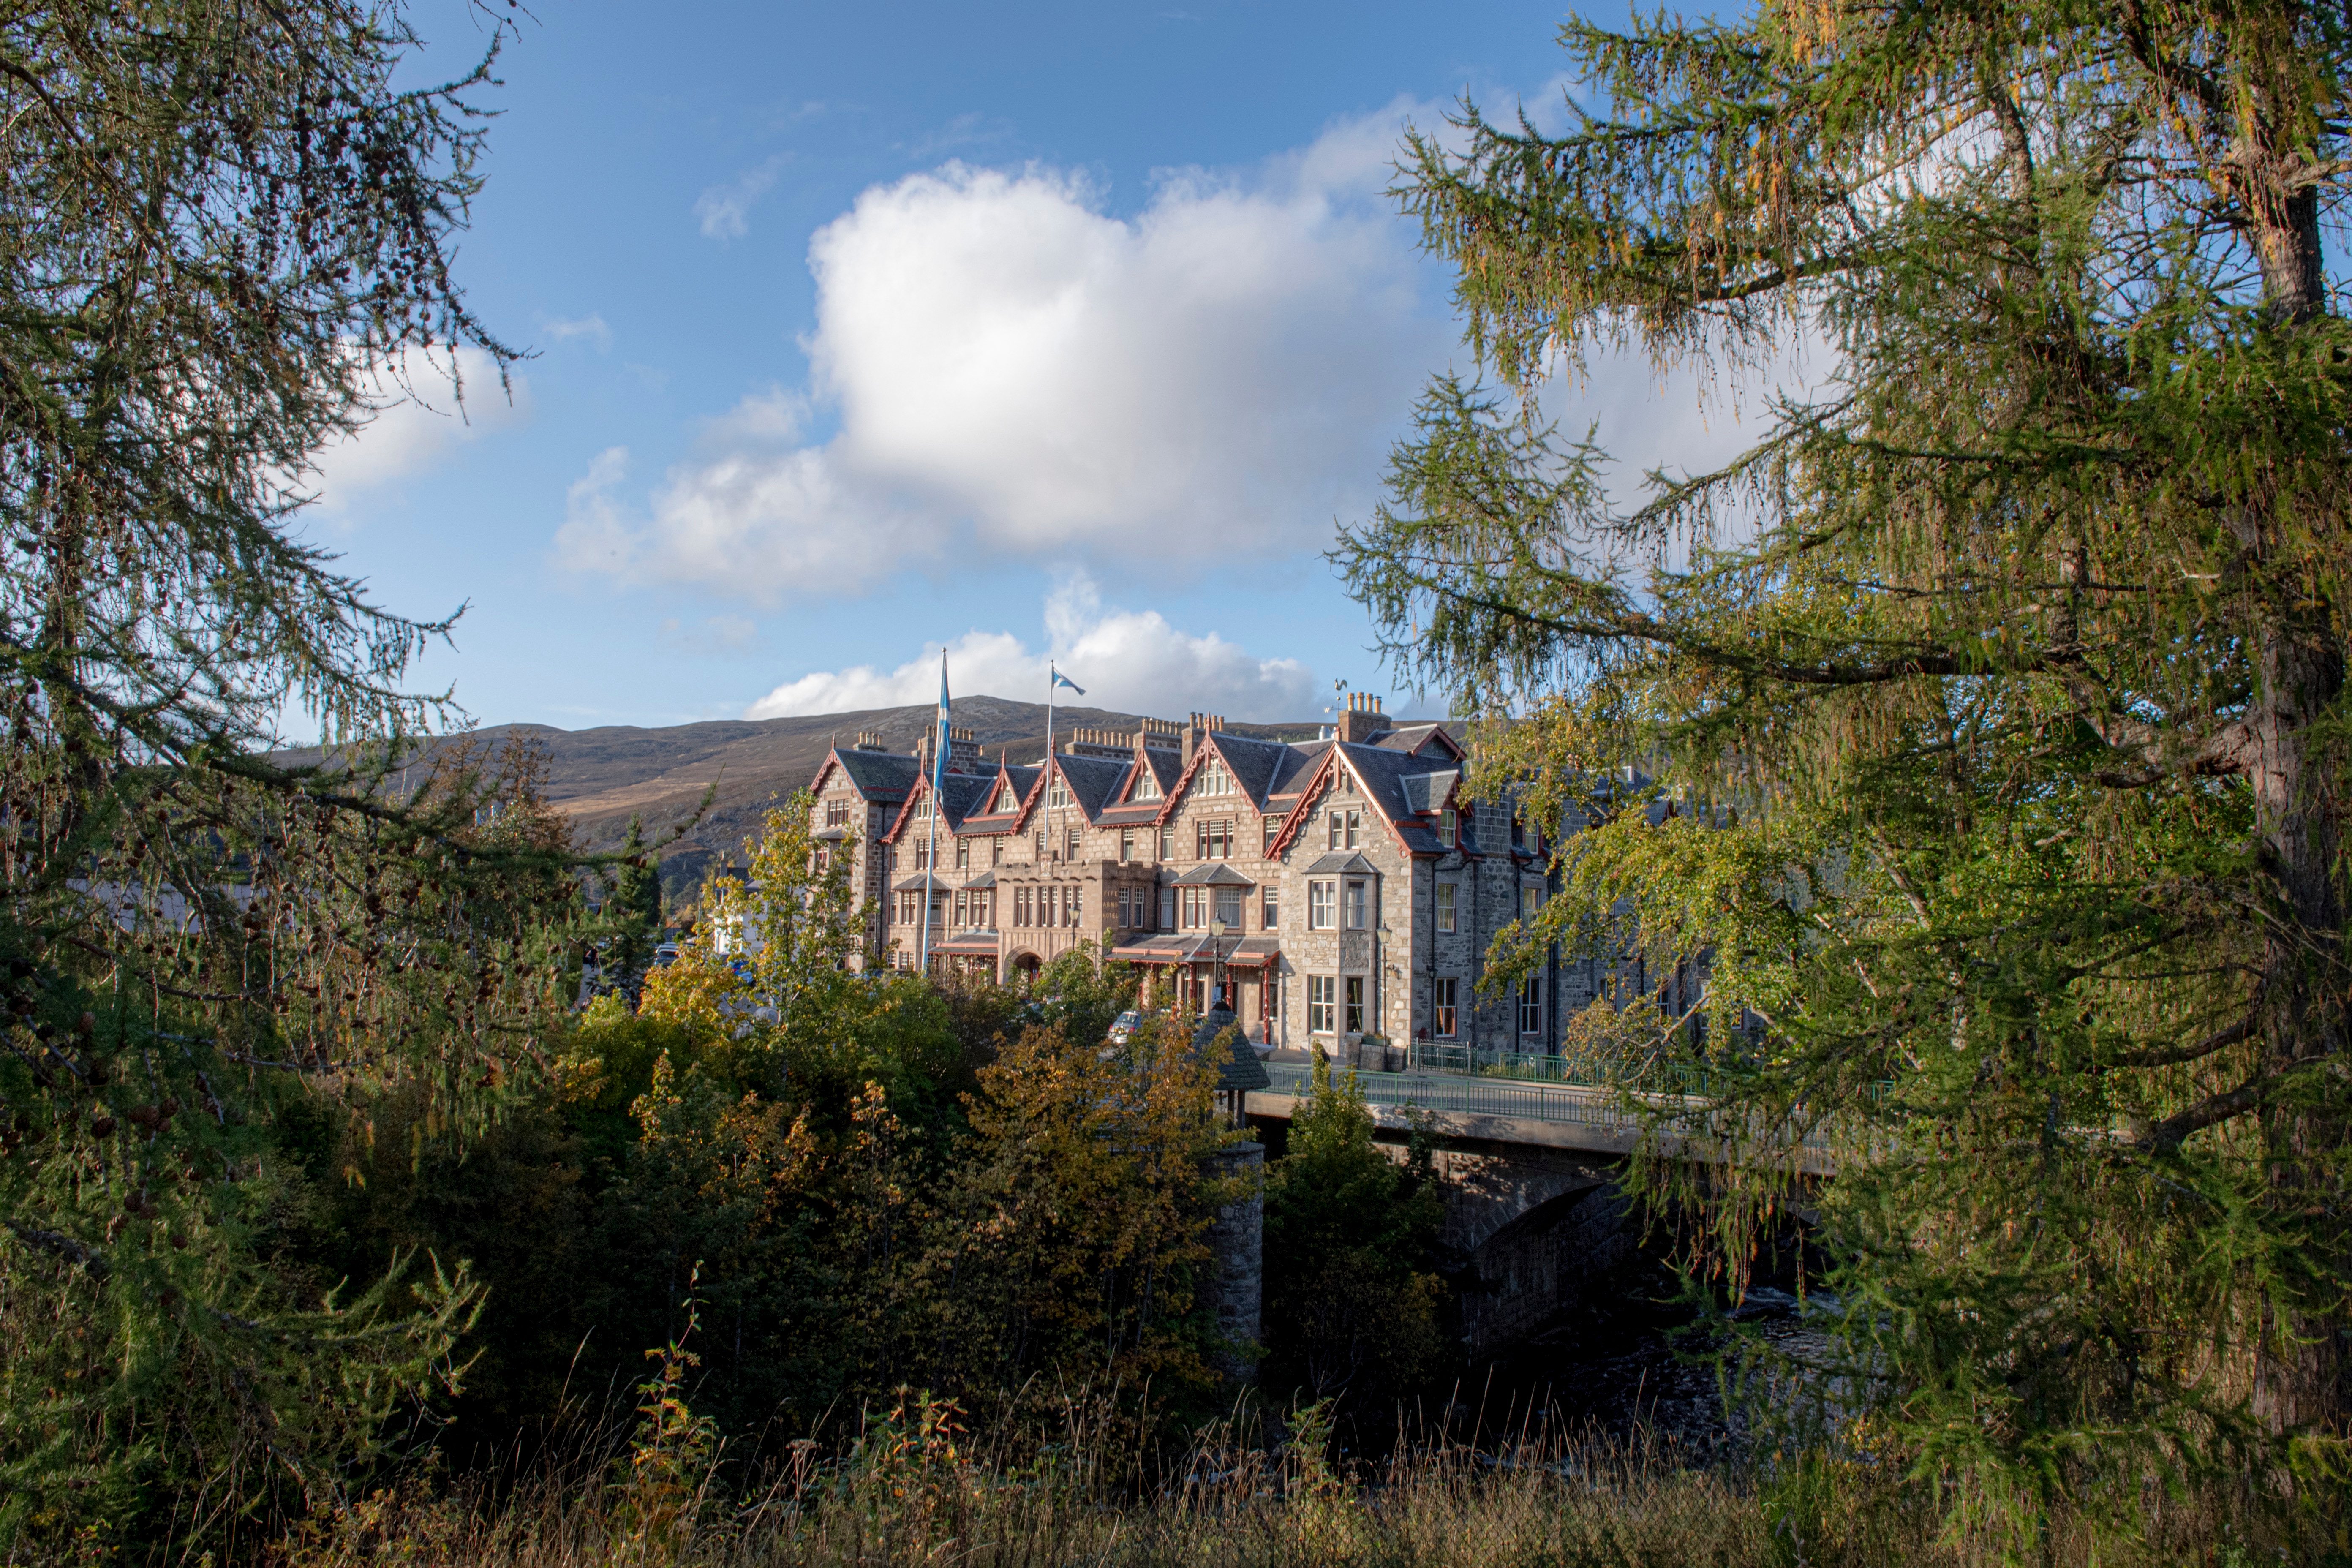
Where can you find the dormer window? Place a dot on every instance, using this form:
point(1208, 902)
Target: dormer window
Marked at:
point(1058, 792)
point(1006, 800)
point(1148, 786)
point(1446, 829)
point(1214, 779)
point(923, 809)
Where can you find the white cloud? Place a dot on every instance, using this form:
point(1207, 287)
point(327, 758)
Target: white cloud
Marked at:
point(1129, 660)
point(724, 212)
point(418, 421)
point(591, 327)
point(1001, 360)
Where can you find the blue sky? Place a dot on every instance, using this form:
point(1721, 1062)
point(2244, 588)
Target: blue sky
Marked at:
point(861, 330)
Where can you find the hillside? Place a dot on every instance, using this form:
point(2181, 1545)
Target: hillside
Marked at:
point(601, 777)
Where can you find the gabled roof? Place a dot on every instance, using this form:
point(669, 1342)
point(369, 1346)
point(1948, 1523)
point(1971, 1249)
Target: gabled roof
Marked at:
point(1390, 781)
point(1429, 740)
point(1253, 763)
point(881, 777)
point(986, 817)
point(959, 796)
point(1094, 781)
point(1298, 761)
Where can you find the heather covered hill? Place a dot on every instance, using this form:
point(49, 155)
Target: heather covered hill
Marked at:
point(600, 778)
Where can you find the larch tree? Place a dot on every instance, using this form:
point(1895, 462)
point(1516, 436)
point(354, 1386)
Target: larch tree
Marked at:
point(225, 233)
point(1998, 688)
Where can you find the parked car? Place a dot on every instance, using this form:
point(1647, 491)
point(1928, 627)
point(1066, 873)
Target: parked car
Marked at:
point(1123, 1028)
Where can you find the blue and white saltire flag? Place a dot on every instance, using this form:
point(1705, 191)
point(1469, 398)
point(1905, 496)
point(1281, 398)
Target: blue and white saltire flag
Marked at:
point(939, 752)
point(1061, 680)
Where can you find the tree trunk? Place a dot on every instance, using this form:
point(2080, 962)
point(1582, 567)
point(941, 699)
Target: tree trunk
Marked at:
point(2303, 1366)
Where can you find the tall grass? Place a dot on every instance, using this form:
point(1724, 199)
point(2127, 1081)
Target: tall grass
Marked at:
point(914, 1489)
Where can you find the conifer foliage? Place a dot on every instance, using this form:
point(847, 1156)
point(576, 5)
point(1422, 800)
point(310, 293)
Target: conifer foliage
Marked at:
point(1998, 690)
point(224, 239)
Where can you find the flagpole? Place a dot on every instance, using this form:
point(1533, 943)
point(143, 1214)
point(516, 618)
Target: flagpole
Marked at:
point(931, 853)
point(1050, 828)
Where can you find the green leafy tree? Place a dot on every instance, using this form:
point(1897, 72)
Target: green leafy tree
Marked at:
point(1997, 690)
point(1352, 1300)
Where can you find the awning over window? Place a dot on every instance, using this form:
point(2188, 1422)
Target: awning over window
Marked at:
point(967, 944)
point(1199, 947)
point(1216, 874)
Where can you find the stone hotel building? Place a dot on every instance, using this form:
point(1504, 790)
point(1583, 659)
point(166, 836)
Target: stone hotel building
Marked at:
point(1340, 888)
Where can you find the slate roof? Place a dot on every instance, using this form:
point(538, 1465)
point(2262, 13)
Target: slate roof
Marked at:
point(1389, 780)
point(1298, 760)
point(1342, 862)
point(1419, 739)
point(1023, 779)
point(1094, 781)
point(879, 776)
point(1253, 763)
point(1427, 791)
point(1213, 874)
point(960, 795)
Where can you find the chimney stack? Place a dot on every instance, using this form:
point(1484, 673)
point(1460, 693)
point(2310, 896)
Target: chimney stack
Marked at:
point(869, 741)
point(1196, 727)
point(1363, 721)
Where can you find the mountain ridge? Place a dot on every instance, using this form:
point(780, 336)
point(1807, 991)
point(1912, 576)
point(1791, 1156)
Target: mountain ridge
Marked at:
point(603, 776)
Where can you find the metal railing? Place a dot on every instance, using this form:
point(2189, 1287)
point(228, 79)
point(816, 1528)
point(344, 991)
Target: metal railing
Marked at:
point(1579, 1071)
point(1610, 1110)
point(1468, 1096)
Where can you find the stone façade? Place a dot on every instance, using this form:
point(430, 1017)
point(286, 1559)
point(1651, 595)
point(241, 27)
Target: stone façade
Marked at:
point(1358, 882)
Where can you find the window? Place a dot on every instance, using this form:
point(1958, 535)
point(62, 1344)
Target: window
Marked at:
point(837, 813)
point(1273, 831)
point(1531, 1005)
point(1021, 906)
point(1443, 1020)
point(1355, 820)
point(1518, 832)
point(1269, 910)
point(1446, 828)
point(1069, 844)
point(1318, 1003)
point(1322, 901)
point(1344, 826)
point(963, 855)
point(1359, 907)
point(1196, 908)
point(1006, 800)
point(1147, 786)
point(1446, 894)
point(1058, 793)
point(1229, 908)
point(1531, 897)
point(1041, 846)
point(962, 907)
point(1214, 780)
point(1126, 844)
point(1168, 841)
point(1125, 907)
point(1214, 840)
point(996, 850)
point(1167, 909)
point(1354, 1004)
point(923, 809)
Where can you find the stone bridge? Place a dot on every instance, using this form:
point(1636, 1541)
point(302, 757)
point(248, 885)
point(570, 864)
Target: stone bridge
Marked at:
point(1534, 1215)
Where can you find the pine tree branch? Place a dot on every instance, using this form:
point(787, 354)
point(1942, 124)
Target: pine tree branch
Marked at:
point(63, 1246)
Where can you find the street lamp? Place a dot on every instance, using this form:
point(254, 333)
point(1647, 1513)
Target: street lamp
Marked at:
point(1216, 959)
